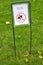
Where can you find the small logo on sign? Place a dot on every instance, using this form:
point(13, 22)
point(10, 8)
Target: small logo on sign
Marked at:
point(20, 17)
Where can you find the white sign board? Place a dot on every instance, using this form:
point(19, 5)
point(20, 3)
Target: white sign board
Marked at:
point(20, 14)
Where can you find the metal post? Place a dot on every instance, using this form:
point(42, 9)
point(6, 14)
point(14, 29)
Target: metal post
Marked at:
point(14, 41)
point(13, 32)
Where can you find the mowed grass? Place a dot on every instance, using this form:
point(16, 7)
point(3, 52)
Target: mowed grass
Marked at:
point(22, 35)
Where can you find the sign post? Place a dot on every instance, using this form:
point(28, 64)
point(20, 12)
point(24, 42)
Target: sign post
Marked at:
point(21, 15)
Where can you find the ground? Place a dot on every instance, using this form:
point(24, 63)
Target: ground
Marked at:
point(22, 34)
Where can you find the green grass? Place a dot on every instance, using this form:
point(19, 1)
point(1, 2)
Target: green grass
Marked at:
point(22, 44)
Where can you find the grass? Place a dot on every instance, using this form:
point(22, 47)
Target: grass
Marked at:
point(22, 44)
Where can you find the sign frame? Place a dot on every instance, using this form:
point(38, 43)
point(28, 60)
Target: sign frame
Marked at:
point(29, 13)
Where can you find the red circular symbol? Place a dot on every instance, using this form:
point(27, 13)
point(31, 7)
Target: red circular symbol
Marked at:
point(21, 17)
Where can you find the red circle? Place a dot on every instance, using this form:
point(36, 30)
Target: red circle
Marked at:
point(22, 18)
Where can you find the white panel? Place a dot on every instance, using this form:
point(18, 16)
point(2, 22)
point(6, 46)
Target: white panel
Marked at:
point(20, 13)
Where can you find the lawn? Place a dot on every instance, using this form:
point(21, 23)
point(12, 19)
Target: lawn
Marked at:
point(22, 34)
